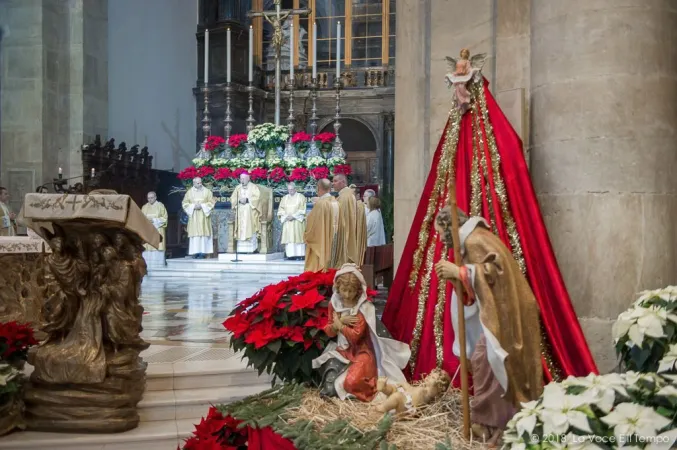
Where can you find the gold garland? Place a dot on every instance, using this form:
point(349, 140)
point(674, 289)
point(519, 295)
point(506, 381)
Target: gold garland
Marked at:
point(515, 243)
point(445, 168)
point(475, 179)
point(485, 173)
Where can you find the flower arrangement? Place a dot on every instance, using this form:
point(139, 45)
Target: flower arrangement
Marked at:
point(277, 176)
point(300, 175)
point(301, 141)
point(345, 169)
point(15, 340)
point(223, 173)
point(268, 136)
point(237, 142)
point(644, 333)
point(272, 160)
point(280, 328)
point(252, 163)
point(215, 143)
point(217, 431)
point(291, 163)
point(326, 140)
point(593, 412)
point(258, 174)
point(336, 161)
point(319, 172)
point(315, 161)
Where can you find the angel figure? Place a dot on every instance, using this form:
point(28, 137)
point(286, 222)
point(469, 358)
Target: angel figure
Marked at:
point(351, 366)
point(464, 70)
point(403, 397)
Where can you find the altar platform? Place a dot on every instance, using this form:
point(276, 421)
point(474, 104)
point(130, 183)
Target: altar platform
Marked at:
point(270, 267)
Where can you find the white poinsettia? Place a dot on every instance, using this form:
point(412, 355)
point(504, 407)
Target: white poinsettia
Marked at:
point(667, 391)
point(633, 379)
point(7, 373)
point(575, 442)
point(669, 294)
point(629, 419)
point(602, 388)
point(663, 441)
point(315, 161)
point(335, 161)
point(560, 411)
point(525, 420)
point(669, 360)
point(640, 322)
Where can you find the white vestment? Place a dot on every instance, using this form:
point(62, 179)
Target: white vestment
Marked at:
point(376, 233)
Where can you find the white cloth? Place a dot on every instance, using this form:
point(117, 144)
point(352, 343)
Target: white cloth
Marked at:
point(154, 258)
point(474, 328)
point(376, 233)
point(200, 244)
point(295, 250)
point(248, 245)
point(391, 356)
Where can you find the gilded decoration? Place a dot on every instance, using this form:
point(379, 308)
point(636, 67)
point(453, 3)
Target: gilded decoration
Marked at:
point(22, 287)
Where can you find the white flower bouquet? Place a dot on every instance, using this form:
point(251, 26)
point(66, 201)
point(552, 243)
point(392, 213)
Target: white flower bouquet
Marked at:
point(598, 412)
point(272, 160)
point(199, 162)
point(315, 161)
point(292, 163)
point(644, 333)
point(335, 161)
point(268, 136)
point(252, 163)
point(220, 162)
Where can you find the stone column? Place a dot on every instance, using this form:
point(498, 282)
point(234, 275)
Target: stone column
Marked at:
point(604, 149)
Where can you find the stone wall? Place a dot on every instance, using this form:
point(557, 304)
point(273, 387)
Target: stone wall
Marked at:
point(54, 88)
point(601, 130)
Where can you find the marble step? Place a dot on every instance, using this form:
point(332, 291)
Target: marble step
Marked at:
point(157, 435)
point(245, 267)
point(191, 403)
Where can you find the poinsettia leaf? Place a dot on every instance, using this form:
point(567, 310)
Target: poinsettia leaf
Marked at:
point(275, 346)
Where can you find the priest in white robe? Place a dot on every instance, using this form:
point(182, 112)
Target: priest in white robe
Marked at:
point(368, 193)
point(246, 201)
point(292, 215)
point(376, 233)
point(156, 213)
point(198, 203)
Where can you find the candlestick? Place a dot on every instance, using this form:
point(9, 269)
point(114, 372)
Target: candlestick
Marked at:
point(206, 75)
point(291, 51)
point(206, 126)
point(337, 148)
point(313, 151)
point(251, 53)
point(338, 50)
point(228, 55)
point(314, 51)
point(228, 121)
point(250, 118)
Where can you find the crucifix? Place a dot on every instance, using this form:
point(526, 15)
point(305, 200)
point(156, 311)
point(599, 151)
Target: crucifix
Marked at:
point(276, 19)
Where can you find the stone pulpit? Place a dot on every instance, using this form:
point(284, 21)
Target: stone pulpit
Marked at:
point(88, 375)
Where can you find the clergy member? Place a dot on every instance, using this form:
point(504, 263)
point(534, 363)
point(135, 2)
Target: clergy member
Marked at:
point(320, 234)
point(7, 217)
point(157, 215)
point(376, 233)
point(501, 315)
point(292, 215)
point(246, 201)
point(348, 239)
point(368, 193)
point(361, 227)
point(198, 204)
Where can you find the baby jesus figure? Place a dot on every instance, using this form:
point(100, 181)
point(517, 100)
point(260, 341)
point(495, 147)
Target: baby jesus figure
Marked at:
point(403, 397)
point(359, 354)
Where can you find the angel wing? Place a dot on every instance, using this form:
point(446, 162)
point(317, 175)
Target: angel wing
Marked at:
point(477, 61)
point(452, 63)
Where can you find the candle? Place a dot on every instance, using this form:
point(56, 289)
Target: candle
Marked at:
point(338, 51)
point(314, 50)
point(93, 171)
point(60, 171)
point(251, 53)
point(206, 57)
point(291, 52)
point(228, 55)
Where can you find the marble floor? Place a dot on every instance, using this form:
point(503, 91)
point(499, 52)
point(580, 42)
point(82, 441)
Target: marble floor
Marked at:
point(188, 310)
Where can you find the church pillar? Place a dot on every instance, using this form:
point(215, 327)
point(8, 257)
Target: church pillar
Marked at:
point(54, 88)
point(604, 149)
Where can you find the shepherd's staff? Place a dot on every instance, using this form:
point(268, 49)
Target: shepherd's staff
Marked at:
point(458, 287)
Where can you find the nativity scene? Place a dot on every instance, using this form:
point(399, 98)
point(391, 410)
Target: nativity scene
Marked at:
point(294, 286)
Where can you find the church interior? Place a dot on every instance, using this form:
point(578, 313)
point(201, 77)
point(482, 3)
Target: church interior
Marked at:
point(324, 224)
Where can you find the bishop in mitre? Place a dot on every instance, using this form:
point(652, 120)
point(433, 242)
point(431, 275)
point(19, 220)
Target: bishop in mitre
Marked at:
point(352, 228)
point(321, 229)
point(501, 314)
point(156, 213)
point(246, 201)
point(198, 203)
point(292, 215)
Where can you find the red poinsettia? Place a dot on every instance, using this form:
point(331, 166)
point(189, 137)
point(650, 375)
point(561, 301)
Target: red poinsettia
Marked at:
point(239, 171)
point(258, 173)
point(205, 171)
point(277, 175)
point(223, 173)
point(237, 324)
point(325, 138)
point(345, 169)
point(188, 173)
point(237, 141)
point(319, 172)
point(217, 432)
point(299, 174)
point(300, 136)
point(15, 340)
point(214, 143)
point(307, 300)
